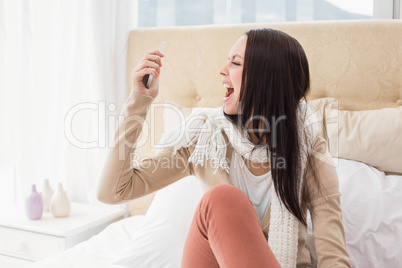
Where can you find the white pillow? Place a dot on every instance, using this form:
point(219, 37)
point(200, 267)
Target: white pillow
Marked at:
point(372, 136)
point(160, 240)
point(372, 214)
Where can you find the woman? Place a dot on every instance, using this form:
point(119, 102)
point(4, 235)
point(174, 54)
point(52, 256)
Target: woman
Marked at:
point(267, 175)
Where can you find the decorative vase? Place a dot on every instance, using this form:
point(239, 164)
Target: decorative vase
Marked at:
point(34, 205)
point(60, 204)
point(47, 194)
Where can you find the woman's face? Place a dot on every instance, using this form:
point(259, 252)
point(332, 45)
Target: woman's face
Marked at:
point(232, 73)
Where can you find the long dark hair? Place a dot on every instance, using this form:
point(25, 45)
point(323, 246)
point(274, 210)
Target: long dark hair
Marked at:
point(275, 78)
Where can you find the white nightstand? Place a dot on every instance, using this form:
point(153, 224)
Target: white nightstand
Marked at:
point(23, 241)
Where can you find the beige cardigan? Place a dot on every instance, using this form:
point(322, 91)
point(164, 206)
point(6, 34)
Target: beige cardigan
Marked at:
point(121, 182)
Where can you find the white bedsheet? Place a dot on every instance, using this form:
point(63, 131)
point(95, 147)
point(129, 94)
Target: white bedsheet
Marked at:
point(97, 252)
point(372, 216)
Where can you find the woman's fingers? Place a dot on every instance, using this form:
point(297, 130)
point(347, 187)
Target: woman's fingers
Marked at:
point(141, 73)
point(147, 64)
point(154, 56)
point(155, 52)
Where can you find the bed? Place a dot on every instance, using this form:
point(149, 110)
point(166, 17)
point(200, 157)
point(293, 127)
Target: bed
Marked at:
point(356, 93)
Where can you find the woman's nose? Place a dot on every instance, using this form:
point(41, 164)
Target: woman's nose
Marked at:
point(222, 70)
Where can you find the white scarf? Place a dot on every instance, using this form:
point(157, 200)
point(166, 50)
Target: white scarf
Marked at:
point(205, 127)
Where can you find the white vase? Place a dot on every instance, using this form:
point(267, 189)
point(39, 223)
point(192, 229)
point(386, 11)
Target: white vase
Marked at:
point(47, 194)
point(60, 204)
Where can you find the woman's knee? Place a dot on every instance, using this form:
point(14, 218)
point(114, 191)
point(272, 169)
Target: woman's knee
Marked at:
point(224, 196)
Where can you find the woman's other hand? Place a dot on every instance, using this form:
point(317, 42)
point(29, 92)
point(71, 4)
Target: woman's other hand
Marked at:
point(151, 63)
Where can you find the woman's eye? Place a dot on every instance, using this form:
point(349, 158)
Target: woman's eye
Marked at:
point(235, 63)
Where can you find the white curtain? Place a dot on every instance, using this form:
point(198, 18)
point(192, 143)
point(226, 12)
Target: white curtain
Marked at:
point(62, 83)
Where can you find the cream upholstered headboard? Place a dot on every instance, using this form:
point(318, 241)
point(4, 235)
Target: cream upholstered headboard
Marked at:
point(357, 62)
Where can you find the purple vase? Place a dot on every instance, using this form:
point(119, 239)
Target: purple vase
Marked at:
point(34, 205)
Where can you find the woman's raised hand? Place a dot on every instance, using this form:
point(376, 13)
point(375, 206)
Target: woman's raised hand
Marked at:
point(151, 63)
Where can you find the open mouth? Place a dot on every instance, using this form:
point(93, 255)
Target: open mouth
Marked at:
point(229, 92)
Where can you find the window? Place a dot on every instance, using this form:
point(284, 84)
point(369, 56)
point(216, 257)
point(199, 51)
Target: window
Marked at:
point(154, 13)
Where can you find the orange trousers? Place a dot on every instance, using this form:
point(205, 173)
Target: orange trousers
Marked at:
point(225, 232)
